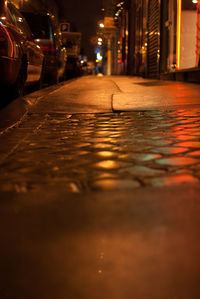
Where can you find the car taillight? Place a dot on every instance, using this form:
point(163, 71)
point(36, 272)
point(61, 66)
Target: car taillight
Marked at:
point(50, 49)
point(6, 43)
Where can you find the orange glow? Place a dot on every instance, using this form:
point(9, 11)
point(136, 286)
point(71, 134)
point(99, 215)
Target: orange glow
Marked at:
point(106, 154)
point(197, 35)
point(108, 164)
point(178, 44)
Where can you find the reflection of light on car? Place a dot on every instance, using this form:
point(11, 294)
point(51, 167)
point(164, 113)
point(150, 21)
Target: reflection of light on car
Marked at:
point(7, 33)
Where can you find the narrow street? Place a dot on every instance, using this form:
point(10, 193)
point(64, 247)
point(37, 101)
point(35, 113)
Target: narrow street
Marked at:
point(100, 188)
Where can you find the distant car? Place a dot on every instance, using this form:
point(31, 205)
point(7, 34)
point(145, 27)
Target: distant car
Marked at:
point(90, 68)
point(21, 59)
point(87, 68)
point(47, 35)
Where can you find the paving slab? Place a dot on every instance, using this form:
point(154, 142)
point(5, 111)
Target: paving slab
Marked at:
point(101, 204)
point(88, 94)
point(141, 94)
point(131, 244)
point(134, 101)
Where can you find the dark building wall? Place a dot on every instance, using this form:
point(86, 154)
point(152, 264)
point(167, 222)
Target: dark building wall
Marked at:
point(144, 38)
point(164, 36)
point(153, 28)
point(132, 37)
point(138, 37)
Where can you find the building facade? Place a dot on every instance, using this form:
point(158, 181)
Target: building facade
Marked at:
point(159, 38)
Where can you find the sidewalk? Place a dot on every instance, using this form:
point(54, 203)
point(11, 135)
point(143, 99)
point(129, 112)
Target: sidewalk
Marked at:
point(141, 94)
point(97, 203)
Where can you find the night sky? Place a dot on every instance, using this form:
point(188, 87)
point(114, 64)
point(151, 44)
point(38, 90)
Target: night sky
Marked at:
point(83, 16)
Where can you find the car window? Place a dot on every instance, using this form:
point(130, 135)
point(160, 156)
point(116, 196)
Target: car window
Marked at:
point(39, 25)
point(55, 26)
point(19, 20)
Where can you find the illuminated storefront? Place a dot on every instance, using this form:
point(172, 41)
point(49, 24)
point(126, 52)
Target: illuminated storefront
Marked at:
point(184, 33)
point(163, 39)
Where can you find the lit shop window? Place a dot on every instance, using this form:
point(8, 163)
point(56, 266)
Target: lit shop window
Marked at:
point(188, 34)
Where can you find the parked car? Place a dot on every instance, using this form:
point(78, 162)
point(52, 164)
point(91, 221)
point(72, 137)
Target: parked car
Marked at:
point(47, 35)
point(87, 68)
point(21, 59)
point(73, 67)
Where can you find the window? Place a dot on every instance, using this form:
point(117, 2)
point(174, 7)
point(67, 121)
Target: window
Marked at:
point(19, 20)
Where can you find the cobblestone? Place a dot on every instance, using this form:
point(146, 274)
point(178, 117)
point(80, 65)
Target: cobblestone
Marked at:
point(101, 151)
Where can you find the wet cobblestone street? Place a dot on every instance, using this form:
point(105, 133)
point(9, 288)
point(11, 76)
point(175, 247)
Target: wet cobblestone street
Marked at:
point(83, 152)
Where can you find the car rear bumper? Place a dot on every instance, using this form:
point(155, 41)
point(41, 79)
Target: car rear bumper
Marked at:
point(53, 66)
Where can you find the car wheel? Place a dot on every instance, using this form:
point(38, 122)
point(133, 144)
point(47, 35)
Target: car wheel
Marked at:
point(54, 78)
point(19, 85)
point(39, 84)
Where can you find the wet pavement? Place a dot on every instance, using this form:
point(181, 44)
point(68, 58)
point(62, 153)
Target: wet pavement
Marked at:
point(97, 203)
